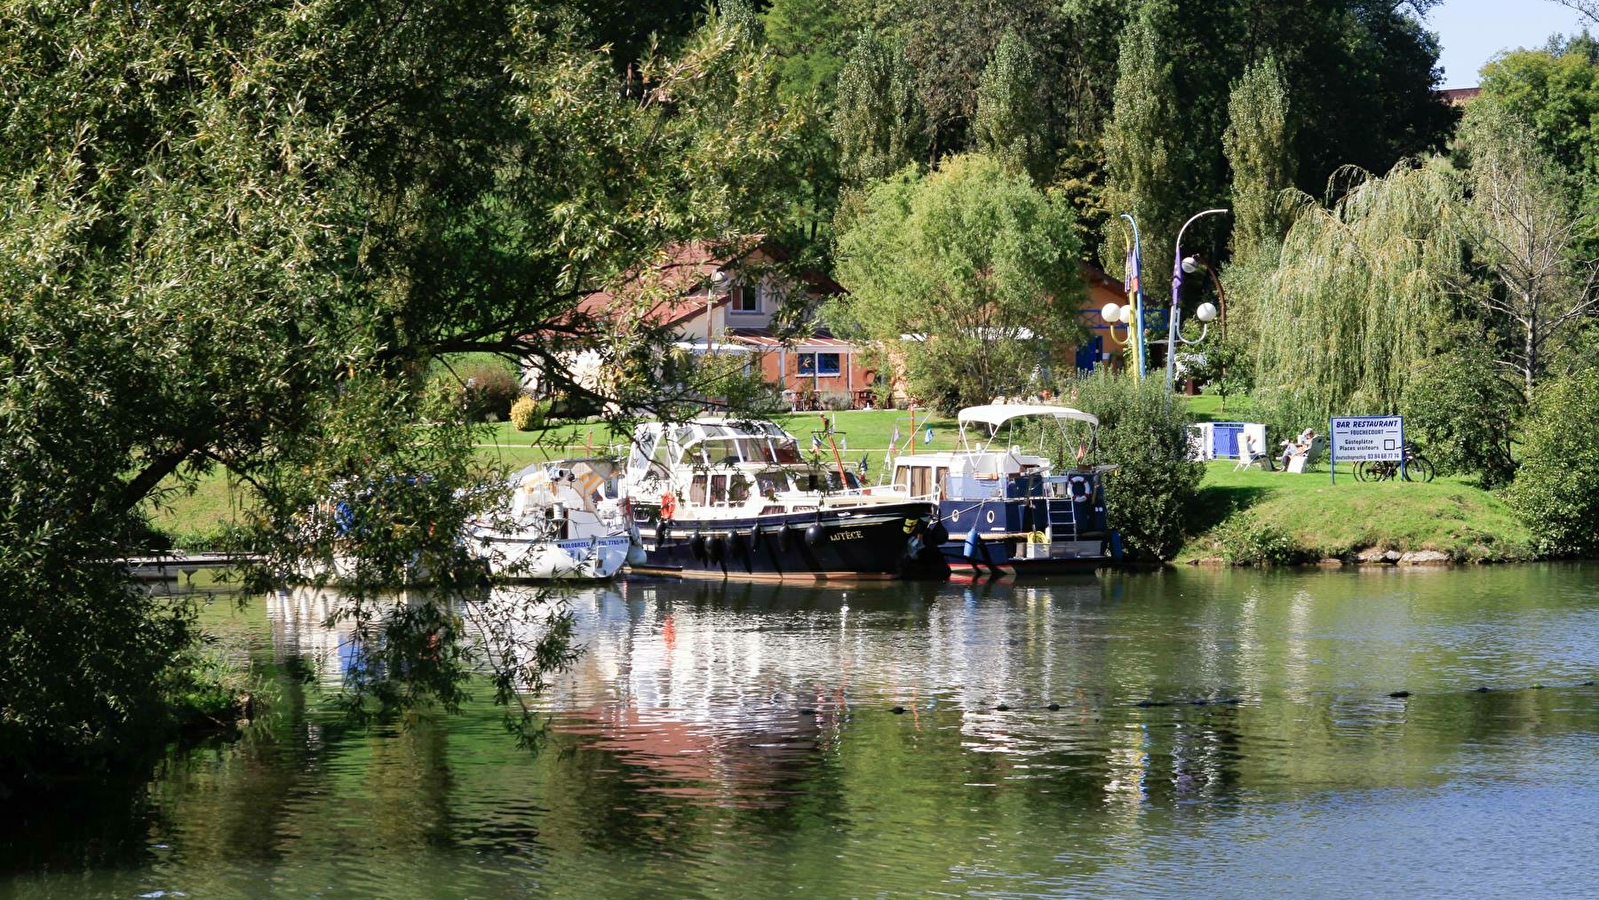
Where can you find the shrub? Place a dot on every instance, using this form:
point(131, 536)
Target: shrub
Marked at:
point(1143, 429)
point(1286, 413)
point(528, 414)
point(1556, 490)
point(1247, 541)
point(482, 390)
point(1461, 410)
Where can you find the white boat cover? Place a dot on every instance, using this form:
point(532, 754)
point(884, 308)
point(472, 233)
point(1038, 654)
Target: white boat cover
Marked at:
point(995, 415)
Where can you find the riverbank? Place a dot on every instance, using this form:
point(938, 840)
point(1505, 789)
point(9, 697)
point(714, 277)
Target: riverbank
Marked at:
point(1256, 517)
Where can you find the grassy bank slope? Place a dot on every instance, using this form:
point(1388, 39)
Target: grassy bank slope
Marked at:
point(1325, 520)
point(193, 520)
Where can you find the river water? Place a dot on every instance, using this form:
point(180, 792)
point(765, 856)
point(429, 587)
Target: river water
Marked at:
point(1185, 733)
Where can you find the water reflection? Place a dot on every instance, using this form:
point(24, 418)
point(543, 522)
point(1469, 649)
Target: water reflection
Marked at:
point(1192, 733)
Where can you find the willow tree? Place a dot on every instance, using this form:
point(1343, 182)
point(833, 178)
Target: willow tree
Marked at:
point(1361, 289)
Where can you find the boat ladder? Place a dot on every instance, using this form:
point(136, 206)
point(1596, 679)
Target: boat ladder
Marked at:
point(1062, 517)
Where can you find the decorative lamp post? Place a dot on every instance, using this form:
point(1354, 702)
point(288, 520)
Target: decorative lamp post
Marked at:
point(1116, 314)
point(1206, 312)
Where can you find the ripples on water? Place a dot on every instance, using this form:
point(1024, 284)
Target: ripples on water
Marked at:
point(1196, 734)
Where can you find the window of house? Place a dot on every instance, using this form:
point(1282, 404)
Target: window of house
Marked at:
point(746, 298)
point(819, 364)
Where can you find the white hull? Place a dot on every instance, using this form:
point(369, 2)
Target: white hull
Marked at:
point(513, 558)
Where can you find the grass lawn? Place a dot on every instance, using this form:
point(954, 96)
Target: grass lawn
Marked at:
point(1207, 408)
point(861, 430)
point(193, 518)
point(1326, 520)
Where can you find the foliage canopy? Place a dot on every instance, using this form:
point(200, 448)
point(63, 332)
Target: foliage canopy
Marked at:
point(237, 235)
point(969, 273)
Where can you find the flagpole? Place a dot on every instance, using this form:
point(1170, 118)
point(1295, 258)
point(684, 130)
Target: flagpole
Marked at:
point(1135, 262)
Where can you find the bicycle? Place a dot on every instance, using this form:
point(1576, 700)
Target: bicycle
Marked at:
point(1416, 468)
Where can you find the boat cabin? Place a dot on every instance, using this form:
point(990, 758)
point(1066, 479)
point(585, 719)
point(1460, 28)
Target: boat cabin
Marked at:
point(753, 467)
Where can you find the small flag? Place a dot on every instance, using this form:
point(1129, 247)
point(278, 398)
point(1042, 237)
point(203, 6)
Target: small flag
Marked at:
point(1131, 282)
point(894, 441)
point(816, 441)
point(843, 442)
point(928, 437)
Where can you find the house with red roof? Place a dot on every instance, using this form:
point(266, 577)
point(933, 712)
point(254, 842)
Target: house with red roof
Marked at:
point(739, 300)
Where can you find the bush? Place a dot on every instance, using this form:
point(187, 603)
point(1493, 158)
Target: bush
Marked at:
point(1461, 410)
point(528, 414)
point(481, 389)
point(1285, 414)
point(1143, 429)
point(1556, 490)
point(1247, 541)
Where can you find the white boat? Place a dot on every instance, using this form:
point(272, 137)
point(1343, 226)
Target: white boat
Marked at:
point(564, 521)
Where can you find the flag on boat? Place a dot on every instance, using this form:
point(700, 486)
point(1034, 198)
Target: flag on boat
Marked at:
point(894, 441)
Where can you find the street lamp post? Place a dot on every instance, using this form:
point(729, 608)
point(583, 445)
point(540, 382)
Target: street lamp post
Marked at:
point(1206, 312)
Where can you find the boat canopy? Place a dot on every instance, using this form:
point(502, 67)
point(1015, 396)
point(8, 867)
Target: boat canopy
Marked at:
point(996, 415)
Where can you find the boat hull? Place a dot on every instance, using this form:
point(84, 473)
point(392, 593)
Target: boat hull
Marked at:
point(512, 558)
point(880, 543)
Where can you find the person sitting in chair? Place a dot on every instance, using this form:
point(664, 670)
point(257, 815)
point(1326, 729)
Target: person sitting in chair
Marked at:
point(1297, 447)
point(1257, 452)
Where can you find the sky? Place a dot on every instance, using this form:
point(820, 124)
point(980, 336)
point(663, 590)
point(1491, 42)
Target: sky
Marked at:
point(1472, 31)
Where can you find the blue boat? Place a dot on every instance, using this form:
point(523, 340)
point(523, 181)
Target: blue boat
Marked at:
point(1005, 510)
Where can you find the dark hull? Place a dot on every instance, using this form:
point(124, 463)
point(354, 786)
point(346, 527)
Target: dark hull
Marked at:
point(1005, 529)
point(877, 543)
point(960, 565)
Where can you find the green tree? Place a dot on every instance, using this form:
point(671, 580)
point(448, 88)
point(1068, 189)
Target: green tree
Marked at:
point(949, 44)
point(1528, 237)
point(1259, 148)
point(1150, 497)
point(1554, 92)
point(1461, 408)
point(812, 39)
point(1010, 121)
point(976, 265)
point(1144, 158)
point(236, 237)
point(1364, 291)
point(878, 122)
point(1556, 490)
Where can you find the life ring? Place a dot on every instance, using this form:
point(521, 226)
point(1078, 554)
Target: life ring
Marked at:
point(1072, 486)
point(668, 505)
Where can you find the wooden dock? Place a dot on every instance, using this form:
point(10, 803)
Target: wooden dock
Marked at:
point(168, 566)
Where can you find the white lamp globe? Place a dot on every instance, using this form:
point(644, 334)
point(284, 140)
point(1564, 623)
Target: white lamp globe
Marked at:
point(1191, 264)
point(1126, 316)
point(1111, 313)
point(1206, 312)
